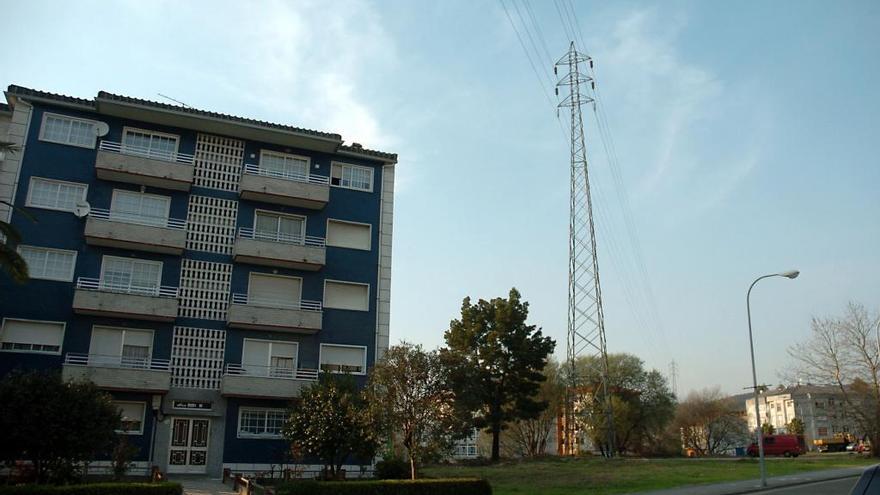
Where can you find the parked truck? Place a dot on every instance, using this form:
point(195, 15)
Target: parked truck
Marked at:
point(836, 443)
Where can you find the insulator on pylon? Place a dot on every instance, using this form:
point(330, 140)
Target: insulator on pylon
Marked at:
point(593, 85)
point(554, 70)
point(557, 91)
point(591, 63)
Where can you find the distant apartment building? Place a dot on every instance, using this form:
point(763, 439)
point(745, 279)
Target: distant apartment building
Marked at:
point(202, 268)
point(820, 407)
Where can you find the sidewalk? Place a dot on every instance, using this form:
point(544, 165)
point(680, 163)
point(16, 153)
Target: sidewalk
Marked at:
point(202, 486)
point(753, 486)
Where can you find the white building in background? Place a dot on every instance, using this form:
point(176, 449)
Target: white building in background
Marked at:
point(821, 407)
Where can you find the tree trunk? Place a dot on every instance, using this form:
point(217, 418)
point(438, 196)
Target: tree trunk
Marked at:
point(412, 467)
point(496, 437)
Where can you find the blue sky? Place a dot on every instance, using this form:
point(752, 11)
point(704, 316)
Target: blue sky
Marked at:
point(746, 133)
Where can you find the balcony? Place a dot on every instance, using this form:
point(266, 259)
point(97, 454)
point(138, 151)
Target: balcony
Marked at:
point(121, 230)
point(280, 188)
point(280, 250)
point(136, 165)
point(303, 317)
point(265, 382)
point(119, 372)
point(99, 298)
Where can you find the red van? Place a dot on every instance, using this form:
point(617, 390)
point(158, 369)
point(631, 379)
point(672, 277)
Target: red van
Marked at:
point(787, 445)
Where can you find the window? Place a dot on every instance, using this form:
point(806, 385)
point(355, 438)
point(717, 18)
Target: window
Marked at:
point(131, 275)
point(348, 234)
point(276, 359)
point(130, 348)
point(264, 423)
point(140, 208)
point(132, 414)
point(49, 264)
point(55, 194)
point(68, 130)
point(284, 165)
point(274, 291)
point(346, 295)
point(277, 227)
point(43, 337)
point(149, 143)
point(822, 431)
point(351, 177)
point(343, 359)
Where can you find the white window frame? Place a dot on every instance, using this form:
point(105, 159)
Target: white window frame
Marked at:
point(46, 115)
point(68, 278)
point(352, 166)
point(138, 260)
point(324, 295)
point(122, 342)
point(264, 410)
point(307, 159)
point(176, 138)
point(327, 233)
point(143, 418)
point(268, 363)
point(63, 331)
point(321, 355)
point(28, 201)
point(134, 221)
point(302, 233)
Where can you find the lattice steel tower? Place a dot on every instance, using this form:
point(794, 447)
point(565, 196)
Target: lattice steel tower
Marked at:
point(586, 323)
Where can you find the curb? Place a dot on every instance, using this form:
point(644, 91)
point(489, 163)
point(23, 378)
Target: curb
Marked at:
point(793, 484)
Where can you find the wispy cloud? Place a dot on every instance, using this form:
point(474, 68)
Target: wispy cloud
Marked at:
point(675, 115)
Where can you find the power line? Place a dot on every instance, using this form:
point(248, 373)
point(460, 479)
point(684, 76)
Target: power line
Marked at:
point(525, 50)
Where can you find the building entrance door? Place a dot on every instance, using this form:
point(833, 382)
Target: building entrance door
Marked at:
point(189, 445)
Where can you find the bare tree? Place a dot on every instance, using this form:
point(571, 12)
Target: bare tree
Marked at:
point(528, 437)
point(845, 352)
point(710, 423)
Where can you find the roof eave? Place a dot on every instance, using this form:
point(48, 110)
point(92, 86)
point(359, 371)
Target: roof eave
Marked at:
point(11, 99)
point(365, 156)
point(216, 125)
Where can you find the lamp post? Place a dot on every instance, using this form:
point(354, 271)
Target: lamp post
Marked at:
point(758, 433)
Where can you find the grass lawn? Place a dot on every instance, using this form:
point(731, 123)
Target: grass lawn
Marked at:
point(567, 476)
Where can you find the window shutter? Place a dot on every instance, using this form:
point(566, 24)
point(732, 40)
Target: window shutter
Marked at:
point(346, 296)
point(33, 332)
point(348, 235)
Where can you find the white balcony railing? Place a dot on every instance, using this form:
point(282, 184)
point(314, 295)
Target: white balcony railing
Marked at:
point(235, 369)
point(301, 305)
point(129, 149)
point(300, 240)
point(107, 361)
point(136, 219)
point(250, 168)
point(86, 283)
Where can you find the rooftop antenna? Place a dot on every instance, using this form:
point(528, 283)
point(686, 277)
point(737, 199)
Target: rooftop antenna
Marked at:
point(175, 101)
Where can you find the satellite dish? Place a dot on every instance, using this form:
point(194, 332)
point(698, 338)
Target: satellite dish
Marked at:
point(101, 129)
point(82, 209)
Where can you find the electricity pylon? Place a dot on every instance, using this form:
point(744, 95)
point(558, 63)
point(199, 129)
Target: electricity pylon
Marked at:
point(586, 322)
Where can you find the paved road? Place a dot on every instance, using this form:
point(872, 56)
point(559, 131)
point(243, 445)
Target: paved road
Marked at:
point(833, 487)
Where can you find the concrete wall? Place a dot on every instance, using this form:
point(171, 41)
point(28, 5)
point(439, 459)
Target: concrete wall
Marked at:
point(284, 192)
point(132, 236)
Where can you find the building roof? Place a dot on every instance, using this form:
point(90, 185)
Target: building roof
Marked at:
point(355, 149)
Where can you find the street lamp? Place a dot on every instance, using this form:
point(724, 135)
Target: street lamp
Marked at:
point(792, 274)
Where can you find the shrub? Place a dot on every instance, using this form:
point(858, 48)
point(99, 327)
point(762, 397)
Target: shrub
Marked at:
point(96, 489)
point(461, 486)
point(393, 468)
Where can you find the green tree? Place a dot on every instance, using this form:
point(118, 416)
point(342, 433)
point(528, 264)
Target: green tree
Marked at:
point(642, 403)
point(796, 426)
point(54, 424)
point(767, 429)
point(409, 394)
point(710, 423)
point(10, 261)
point(332, 422)
point(496, 362)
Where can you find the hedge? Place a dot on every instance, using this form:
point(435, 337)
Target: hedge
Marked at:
point(95, 489)
point(456, 486)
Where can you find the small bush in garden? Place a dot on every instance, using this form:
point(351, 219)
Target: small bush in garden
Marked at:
point(392, 468)
point(462, 486)
point(96, 489)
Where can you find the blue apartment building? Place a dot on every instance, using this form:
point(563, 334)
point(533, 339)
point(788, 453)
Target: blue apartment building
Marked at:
point(202, 268)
